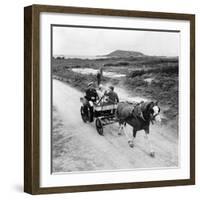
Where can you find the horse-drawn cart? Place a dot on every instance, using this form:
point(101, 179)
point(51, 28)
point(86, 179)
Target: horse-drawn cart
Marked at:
point(102, 113)
point(137, 115)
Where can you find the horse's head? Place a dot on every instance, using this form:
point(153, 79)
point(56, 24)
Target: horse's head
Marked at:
point(154, 111)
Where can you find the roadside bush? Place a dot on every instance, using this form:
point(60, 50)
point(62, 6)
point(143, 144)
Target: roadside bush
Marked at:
point(123, 63)
point(60, 57)
point(167, 70)
point(135, 82)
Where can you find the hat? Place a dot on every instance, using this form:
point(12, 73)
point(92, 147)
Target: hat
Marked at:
point(91, 83)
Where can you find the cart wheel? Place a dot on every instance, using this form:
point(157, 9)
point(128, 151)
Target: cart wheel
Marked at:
point(99, 126)
point(83, 115)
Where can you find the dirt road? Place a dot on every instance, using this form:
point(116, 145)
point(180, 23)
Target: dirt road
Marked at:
point(78, 147)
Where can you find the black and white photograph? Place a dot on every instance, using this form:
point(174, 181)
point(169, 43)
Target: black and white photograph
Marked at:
point(114, 99)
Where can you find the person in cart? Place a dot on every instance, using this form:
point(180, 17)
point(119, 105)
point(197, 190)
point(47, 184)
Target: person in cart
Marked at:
point(91, 96)
point(112, 97)
point(101, 92)
point(91, 93)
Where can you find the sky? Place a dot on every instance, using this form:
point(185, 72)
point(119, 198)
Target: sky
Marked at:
point(92, 42)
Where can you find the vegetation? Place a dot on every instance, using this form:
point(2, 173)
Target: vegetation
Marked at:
point(117, 64)
point(162, 71)
point(163, 87)
point(172, 69)
point(77, 80)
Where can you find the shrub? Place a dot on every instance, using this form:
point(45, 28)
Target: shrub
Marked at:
point(167, 70)
point(122, 63)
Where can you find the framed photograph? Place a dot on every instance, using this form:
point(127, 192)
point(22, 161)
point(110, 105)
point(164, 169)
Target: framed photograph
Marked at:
point(109, 99)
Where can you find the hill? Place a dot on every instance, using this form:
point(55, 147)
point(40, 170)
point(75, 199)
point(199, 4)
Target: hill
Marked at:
point(122, 53)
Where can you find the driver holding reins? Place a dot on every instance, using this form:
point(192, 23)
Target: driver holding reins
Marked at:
point(91, 93)
point(91, 96)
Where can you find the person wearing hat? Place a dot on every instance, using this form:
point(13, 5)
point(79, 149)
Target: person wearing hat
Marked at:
point(91, 93)
point(91, 96)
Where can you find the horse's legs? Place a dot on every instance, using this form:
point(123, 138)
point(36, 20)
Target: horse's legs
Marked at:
point(130, 140)
point(134, 132)
point(120, 128)
point(148, 139)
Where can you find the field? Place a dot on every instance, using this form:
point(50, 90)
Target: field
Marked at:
point(150, 77)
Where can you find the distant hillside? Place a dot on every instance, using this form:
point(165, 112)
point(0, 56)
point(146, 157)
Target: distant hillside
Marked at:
point(122, 53)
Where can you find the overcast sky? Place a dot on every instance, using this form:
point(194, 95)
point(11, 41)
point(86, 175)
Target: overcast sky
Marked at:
point(91, 42)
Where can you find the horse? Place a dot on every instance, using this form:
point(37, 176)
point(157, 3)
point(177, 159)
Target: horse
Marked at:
point(139, 116)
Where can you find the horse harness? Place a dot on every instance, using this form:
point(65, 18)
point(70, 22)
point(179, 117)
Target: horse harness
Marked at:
point(140, 113)
point(137, 113)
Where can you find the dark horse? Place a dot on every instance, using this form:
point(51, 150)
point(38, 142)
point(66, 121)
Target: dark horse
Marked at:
point(138, 116)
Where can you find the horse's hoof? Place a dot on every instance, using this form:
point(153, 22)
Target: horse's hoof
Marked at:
point(152, 154)
point(131, 144)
